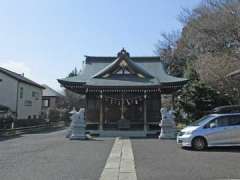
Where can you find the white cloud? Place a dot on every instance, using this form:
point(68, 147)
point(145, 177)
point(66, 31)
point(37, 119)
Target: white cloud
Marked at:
point(18, 67)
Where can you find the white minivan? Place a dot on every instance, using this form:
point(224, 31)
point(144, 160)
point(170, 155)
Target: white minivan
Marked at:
point(211, 130)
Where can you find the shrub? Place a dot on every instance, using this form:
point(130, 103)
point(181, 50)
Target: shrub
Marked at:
point(196, 99)
point(54, 115)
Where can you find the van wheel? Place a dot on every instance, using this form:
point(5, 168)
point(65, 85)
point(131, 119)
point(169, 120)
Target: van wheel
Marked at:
point(199, 143)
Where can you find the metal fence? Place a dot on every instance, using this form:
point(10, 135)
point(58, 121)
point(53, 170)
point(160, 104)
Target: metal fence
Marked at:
point(30, 129)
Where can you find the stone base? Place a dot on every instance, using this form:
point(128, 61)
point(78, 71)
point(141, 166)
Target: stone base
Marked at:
point(77, 134)
point(167, 136)
point(167, 133)
point(77, 137)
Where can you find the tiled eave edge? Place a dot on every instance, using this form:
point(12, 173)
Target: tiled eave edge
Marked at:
point(83, 88)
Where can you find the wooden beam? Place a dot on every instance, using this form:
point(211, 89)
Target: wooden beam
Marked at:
point(145, 112)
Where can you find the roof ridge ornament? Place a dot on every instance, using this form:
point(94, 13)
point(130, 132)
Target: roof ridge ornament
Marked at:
point(123, 54)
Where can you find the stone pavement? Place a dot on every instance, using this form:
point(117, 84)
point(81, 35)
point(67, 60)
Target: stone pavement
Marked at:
point(163, 159)
point(120, 164)
point(50, 156)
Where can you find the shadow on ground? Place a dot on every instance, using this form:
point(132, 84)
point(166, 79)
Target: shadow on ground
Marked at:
point(5, 138)
point(232, 149)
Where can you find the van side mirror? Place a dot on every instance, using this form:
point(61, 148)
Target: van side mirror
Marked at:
point(213, 125)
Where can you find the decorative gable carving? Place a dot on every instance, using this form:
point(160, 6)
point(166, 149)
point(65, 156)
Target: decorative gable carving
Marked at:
point(123, 65)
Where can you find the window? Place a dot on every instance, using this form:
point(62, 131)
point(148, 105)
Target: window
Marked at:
point(219, 122)
point(27, 103)
point(35, 94)
point(45, 103)
point(234, 120)
point(21, 92)
point(225, 121)
point(203, 121)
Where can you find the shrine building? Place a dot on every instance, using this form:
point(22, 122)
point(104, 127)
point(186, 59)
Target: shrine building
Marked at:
point(123, 93)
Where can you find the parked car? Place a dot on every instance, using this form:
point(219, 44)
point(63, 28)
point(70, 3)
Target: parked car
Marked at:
point(226, 109)
point(211, 130)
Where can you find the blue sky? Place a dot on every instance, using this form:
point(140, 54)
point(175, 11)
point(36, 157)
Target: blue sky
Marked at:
point(46, 39)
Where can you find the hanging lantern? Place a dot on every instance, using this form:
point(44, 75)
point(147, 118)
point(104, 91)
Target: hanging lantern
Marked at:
point(136, 101)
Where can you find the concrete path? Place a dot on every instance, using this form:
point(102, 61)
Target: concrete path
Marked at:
point(163, 159)
point(120, 164)
point(50, 156)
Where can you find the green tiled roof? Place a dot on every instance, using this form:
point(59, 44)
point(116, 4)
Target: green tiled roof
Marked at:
point(95, 65)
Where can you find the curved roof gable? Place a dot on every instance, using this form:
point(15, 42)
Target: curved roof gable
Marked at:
point(122, 62)
point(105, 71)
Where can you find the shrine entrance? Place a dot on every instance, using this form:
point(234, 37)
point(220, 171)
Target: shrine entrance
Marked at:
point(123, 112)
point(123, 93)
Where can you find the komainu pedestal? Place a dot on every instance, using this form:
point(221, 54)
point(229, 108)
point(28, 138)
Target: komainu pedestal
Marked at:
point(78, 126)
point(167, 124)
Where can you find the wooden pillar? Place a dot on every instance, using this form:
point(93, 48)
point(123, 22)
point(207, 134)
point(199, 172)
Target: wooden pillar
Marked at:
point(160, 115)
point(173, 101)
point(101, 112)
point(160, 101)
point(145, 112)
point(86, 106)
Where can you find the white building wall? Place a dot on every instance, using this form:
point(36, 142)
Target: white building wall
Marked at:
point(29, 105)
point(8, 91)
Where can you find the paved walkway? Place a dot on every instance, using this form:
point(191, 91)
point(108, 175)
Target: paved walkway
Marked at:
point(44, 156)
point(50, 156)
point(163, 159)
point(120, 164)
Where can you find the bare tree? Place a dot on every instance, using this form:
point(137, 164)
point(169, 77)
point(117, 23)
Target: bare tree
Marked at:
point(212, 27)
point(213, 70)
point(166, 49)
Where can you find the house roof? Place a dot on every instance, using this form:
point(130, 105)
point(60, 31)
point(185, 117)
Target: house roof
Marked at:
point(150, 67)
point(49, 92)
point(20, 77)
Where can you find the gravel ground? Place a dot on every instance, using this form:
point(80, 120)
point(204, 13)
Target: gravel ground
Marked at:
point(165, 160)
point(50, 156)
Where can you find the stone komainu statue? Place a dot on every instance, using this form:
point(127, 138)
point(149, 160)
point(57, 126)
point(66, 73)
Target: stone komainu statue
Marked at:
point(167, 124)
point(78, 125)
